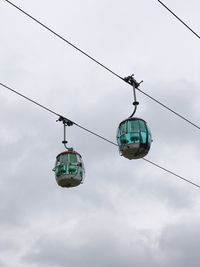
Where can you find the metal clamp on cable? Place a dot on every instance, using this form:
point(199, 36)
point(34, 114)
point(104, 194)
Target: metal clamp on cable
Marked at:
point(130, 80)
point(65, 121)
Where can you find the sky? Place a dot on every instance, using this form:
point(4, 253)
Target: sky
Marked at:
point(127, 212)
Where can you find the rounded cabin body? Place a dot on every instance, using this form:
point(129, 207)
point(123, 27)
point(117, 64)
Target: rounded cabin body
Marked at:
point(133, 138)
point(69, 169)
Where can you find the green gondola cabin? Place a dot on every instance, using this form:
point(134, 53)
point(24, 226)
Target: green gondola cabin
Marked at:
point(133, 138)
point(69, 169)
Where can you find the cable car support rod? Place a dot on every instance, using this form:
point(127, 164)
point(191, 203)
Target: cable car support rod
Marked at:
point(135, 85)
point(66, 123)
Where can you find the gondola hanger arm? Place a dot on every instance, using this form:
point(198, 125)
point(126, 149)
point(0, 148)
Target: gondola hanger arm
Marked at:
point(131, 80)
point(66, 123)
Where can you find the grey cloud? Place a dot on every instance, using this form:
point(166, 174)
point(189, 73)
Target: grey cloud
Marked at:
point(182, 97)
point(180, 243)
point(95, 245)
point(3, 263)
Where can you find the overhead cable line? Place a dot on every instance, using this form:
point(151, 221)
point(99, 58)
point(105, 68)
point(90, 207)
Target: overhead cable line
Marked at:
point(173, 111)
point(29, 99)
point(55, 113)
point(166, 170)
point(91, 132)
point(102, 65)
point(179, 19)
point(64, 39)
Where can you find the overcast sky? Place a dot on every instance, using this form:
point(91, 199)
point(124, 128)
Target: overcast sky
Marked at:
point(127, 213)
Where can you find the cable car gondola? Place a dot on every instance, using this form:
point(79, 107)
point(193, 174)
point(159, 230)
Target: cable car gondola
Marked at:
point(133, 138)
point(133, 134)
point(69, 168)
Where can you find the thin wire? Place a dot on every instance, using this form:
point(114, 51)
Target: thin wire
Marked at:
point(29, 99)
point(93, 59)
point(55, 113)
point(65, 40)
point(91, 132)
point(163, 105)
point(103, 138)
point(179, 19)
point(164, 169)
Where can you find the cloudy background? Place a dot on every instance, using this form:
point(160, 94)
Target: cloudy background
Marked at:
point(127, 213)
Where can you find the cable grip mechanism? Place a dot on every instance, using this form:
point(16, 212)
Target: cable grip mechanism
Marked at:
point(131, 80)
